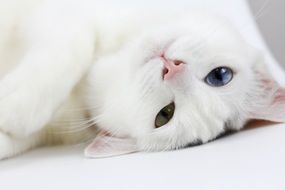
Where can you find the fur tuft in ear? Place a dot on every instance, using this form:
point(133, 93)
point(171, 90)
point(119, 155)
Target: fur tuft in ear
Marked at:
point(108, 146)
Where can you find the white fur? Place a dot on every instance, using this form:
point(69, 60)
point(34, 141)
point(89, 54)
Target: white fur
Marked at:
point(45, 97)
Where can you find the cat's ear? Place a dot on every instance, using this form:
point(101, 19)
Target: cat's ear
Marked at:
point(108, 146)
point(269, 100)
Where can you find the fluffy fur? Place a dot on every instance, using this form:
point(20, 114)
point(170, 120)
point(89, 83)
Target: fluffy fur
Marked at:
point(68, 65)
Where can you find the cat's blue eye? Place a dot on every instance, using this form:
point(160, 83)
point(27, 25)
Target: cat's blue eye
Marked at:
point(219, 76)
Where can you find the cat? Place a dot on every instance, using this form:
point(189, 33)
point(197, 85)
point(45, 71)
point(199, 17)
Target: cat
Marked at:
point(135, 79)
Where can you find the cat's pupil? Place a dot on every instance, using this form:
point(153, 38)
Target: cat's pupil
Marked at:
point(219, 73)
point(164, 114)
point(219, 76)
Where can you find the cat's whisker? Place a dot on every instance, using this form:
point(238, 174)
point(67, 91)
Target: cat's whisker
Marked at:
point(80, 109)
point(75, 122)
point(69, 124)
point(256, 16)
point(78, 128)
point(261, 10)
point(73, 130)
point(168, 144)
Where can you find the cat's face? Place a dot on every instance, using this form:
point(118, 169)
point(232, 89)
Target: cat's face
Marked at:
point(208, 89)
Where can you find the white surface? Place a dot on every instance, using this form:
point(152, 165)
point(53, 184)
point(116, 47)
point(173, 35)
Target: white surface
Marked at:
point(251, 159)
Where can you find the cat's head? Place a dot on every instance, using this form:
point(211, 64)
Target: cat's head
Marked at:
point(184, 82)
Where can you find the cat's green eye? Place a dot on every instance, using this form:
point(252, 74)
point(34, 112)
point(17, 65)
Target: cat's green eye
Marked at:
point(164, 115)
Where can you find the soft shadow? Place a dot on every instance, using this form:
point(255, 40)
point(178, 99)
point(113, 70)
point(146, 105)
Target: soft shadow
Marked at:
point(254, 124)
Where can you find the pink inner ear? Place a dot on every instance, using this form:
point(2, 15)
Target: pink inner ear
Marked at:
point(107, 146)
point(271, 85)
point(271, 101)
point(279, 95)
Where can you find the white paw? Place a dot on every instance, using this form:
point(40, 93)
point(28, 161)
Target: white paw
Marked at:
point(10, 146)
point(7, 146)
point(22, 110)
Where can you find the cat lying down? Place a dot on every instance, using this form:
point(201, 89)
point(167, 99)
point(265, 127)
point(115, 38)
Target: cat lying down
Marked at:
point(136, 80)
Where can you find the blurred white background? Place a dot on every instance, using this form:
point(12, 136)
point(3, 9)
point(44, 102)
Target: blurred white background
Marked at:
point(270, 18)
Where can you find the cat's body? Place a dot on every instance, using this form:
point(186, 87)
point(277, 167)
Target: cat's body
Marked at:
point(68, 123)
point(47, 48)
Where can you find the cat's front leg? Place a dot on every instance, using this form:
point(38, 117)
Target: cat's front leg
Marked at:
point(32, 92)
point(11, 146)
point(60, 47)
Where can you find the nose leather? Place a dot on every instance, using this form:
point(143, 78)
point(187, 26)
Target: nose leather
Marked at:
point(171, 68)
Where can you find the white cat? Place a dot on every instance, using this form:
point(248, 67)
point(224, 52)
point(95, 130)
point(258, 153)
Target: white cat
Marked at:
point(156, 80)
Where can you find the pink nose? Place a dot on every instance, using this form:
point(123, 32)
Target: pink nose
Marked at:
point(171, 68)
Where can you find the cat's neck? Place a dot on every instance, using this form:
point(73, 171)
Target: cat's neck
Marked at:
point(119, 25)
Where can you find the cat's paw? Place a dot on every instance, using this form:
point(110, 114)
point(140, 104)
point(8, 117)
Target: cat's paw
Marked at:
point(11, 146)
point(7, 146)
point(23, 110)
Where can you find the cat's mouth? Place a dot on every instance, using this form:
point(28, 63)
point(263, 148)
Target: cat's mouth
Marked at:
point(160, 52)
